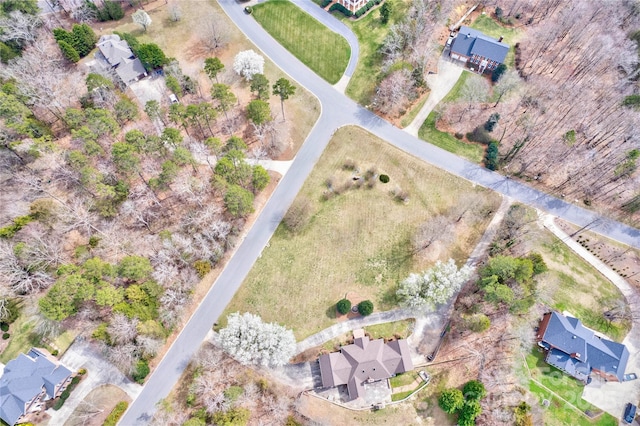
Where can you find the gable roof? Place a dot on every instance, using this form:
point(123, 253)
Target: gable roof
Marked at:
point(114, 49)
point(568, 335)
point(119, 55)
point(470, 42)
point(24, 378)
point(362, 361)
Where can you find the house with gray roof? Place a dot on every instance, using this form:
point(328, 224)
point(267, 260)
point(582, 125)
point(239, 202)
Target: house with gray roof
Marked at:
point(480, 52)
point(364, 361)
point(28, 381)
point(578, 351)
point(114, 53)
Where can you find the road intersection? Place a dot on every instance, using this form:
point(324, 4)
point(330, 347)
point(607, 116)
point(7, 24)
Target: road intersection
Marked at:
point(336, 111)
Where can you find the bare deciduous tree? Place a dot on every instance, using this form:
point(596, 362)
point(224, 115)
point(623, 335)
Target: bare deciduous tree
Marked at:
point(214, 33)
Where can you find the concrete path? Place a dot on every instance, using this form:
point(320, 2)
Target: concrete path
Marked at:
point(99, 372)
point(440, 84)
point(609, 396)
point(281, 167)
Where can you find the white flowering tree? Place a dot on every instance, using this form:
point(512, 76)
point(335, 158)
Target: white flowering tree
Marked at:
point(432, 287)
point(251, 341)
point(141, 18)
point(248, 63)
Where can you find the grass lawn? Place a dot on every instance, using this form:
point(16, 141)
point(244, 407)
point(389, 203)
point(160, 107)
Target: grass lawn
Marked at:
point(403, 379)
point(400, 395)
point(389, 329)
point(64, 340)
point(444, 140)
point(370, 33)
point(322, 50)
point(428, 132)
point(494, 29)
point(569, 389)
point(358, 241)
point(573, 285)
point(408, 118)
point(102, 399)
point(21, 340)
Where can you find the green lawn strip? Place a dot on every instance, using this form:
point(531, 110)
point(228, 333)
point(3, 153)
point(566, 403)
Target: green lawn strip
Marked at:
point(573, 285)
point(371, 34)
point(428, 132)
point(403, 379)
point(325, 52)
point(493, 29)
point(455, 92)
point(390, 329)
point(408, 118)
point(401, 395)
point(22, 338)
point(358, 241)
point(63, 341)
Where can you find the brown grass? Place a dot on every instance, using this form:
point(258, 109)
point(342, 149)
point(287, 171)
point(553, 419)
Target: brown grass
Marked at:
point(358, 241)
point(96, 406)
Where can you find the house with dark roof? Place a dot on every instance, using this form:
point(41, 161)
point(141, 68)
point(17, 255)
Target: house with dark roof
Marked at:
point(480, 52)
point(578, 351)
point(365, 361)
point(116, 54)
point(28, 381)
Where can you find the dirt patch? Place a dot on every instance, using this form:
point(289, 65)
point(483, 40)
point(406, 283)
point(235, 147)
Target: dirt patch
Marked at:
point(96, 406)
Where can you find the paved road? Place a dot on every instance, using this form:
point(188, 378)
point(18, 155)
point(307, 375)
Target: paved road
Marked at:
point(337, 111)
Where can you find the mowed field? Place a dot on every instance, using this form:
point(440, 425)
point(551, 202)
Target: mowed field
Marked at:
point(322, 50)
point(359, 241)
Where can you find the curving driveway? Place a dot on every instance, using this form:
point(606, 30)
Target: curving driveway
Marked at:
point(337, 111)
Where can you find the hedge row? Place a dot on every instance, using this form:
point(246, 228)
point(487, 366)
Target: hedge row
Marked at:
point(364, 9)
point(340, 8)
point(116, 413)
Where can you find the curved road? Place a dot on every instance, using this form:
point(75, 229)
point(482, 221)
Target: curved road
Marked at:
point(337, 111)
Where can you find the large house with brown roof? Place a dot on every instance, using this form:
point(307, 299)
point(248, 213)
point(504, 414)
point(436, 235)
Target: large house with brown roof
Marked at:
point(28, 381)
point(578, 351)
point(364, 361)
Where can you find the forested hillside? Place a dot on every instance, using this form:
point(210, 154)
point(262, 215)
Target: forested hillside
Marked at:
point(113, 209)
point(567, 104)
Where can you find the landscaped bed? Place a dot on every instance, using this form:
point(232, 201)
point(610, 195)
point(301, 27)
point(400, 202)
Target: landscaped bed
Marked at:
point(358, 240)
point(322, 50)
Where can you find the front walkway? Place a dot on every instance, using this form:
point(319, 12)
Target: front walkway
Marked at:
point(440, 85)
point(609, 396)
point(99, 372)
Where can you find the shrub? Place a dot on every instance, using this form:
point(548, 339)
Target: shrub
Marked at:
point(491, 157)
point(82, 371)
point(116, 413)
point(343, 306)
point(479, 134)
point(18, 223)
point(5, 336)
point(496, 75)
point(75, 380)
point(384, 178)
point(65, 395)
point(324, 3)
point(458, 135)
point(478, 323)
point(492, 122)
point(142, 370)
point(203, 267)
point(498, 12)
point(4, 326)
point(365, 307)
point(55, 352)
point(474, 390)
point(340, 8)
point(232, 393)
point(632, 101)
point(349, 164)
point(451, 400)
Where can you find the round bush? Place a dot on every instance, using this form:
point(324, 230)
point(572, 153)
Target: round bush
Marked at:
point(384, 178)
point(4, 326)
point(365, 307)
point(5, 336)
point(55, 352)
point(343, 306)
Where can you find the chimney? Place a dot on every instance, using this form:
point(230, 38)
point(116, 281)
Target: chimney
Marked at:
point(500, 39)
